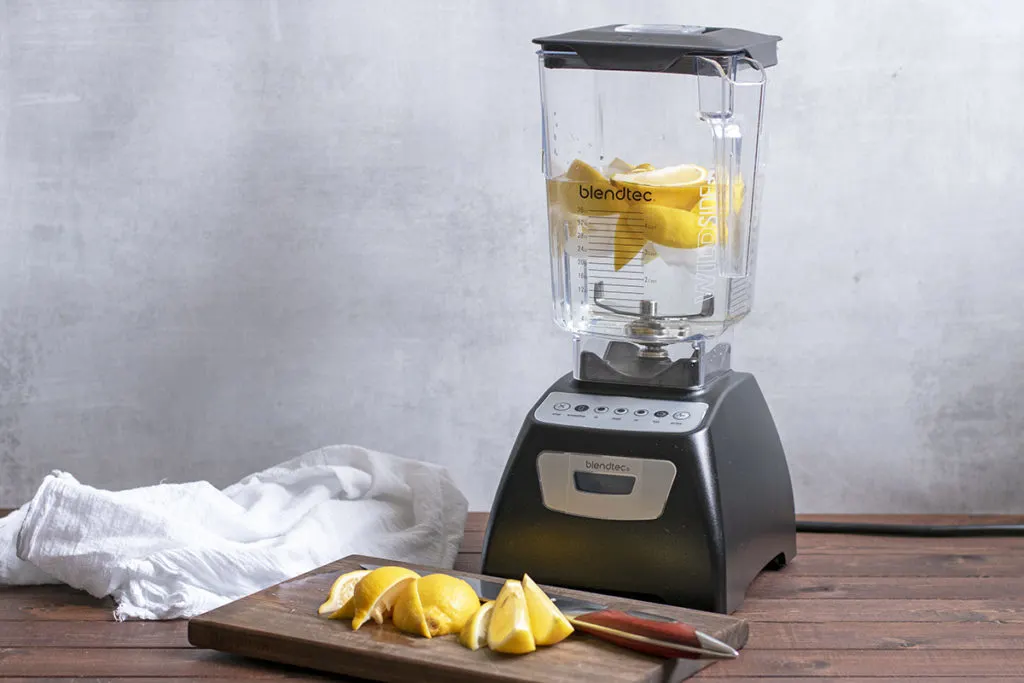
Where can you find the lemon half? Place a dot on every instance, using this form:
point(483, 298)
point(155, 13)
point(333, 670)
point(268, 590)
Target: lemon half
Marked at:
point(435, 605)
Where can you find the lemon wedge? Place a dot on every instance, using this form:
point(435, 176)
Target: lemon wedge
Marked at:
point(677, 228)
point(435, 605)
point(474, 634)
point(408, 614)
point(375, 594)
point(340, 596)
point(547, 623)
point(583, 172)
point(509, 630)
point(676, 187)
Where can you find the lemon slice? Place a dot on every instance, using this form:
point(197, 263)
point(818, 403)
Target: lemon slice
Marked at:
point(474, 634)
point(340, 597)
point(509, 630)
point(547, 623)
point(376, 593)
point(683, 175)
point(676, 187)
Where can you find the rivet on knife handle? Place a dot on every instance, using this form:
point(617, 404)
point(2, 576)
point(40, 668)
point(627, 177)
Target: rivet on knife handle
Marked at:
point(675, 640)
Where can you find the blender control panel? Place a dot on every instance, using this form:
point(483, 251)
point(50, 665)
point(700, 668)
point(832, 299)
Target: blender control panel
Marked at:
point(604, 486)
point(620, 413)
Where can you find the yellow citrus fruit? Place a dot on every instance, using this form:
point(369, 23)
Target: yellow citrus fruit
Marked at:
point(676, 187)
point(509, 630)
point(547, 623)
point(678, 228)
point(340, 596)
point(474, 634)
point(435, 605)
point(584, 190)
point(408, 613)
point(375, 594)
point(629, 239)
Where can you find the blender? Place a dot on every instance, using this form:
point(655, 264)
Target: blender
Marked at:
point(653, 470)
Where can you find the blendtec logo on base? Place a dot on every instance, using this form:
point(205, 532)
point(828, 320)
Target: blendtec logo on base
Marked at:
point(606, 466)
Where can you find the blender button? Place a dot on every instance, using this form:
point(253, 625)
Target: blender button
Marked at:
point(640, 412)
point(601, 409)
point(582, 408)
point(561, 406)
point(661, 413)
point(621, 411)
point(681, 415)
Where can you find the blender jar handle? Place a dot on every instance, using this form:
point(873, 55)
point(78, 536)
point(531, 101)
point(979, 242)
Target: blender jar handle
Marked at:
point(735, 192)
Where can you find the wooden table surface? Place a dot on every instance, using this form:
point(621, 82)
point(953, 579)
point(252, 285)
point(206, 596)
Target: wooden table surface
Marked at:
point(851, 608)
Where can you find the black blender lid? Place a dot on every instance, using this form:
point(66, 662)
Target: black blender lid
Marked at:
point(657, 47)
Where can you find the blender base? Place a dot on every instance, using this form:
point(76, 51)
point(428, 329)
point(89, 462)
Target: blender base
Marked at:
point(666, 496)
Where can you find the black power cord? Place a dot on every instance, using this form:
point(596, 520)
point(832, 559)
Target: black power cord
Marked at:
point(934, 530)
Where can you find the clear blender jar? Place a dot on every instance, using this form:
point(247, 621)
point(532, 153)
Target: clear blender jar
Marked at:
point(651, 140)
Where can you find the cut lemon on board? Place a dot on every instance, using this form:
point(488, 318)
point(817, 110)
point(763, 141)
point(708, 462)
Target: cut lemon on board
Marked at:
point(509, 631)
point(547, 623)
point(340, 596)
point(435, 605)
point(376, 593)
point(474, 634)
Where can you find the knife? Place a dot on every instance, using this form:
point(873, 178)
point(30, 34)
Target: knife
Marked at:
point(641, 631)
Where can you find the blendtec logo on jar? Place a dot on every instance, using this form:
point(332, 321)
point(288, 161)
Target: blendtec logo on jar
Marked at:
point(621, 194)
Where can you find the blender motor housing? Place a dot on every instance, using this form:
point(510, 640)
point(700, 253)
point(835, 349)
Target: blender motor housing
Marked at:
point(726, 515)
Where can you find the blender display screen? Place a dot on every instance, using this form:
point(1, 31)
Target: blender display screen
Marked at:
point(609, 484)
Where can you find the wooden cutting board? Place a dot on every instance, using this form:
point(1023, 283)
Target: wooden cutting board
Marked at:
point(280, 624)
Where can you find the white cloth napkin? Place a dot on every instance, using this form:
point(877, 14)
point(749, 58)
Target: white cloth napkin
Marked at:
point(177, 550)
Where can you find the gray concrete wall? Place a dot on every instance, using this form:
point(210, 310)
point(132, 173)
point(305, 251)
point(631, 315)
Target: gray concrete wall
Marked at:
point(236, 230)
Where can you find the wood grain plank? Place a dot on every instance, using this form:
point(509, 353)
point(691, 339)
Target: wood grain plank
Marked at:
point(897, 665)
point(856, 679)
point(912, 518)
point(52, 603)
point(781, 585)
point(904, 564)
point(886, 636)
point(161, 679)
point(102, 634)
point(143, 662)
point(826, 611)
point(845, 544)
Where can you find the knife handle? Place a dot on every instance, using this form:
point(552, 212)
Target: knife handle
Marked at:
point(678, 633)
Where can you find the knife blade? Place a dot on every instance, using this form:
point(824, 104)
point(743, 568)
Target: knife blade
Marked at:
point(641, 631)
